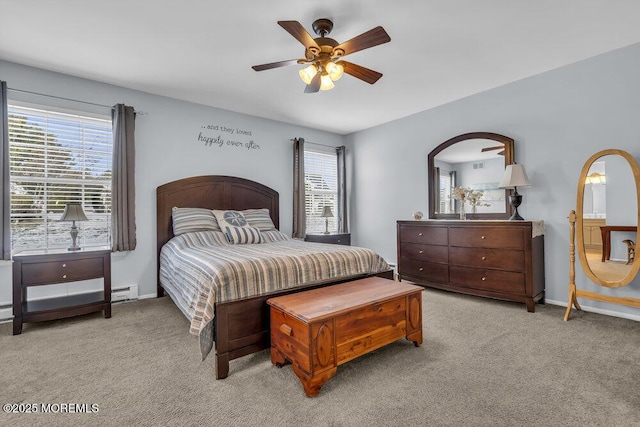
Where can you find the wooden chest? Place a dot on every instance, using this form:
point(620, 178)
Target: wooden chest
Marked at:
point(320, 329)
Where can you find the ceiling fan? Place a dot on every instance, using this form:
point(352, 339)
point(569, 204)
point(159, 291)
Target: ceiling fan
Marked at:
point(501, 147)
point(324, 55)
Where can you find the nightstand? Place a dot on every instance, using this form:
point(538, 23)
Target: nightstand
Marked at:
point(51, 267)
point(335, 238)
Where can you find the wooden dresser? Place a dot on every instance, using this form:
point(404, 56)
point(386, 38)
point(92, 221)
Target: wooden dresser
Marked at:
point(497, 259)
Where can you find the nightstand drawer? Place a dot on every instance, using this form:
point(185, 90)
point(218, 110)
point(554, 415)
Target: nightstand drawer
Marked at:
point(62, 271)
point(336, 239)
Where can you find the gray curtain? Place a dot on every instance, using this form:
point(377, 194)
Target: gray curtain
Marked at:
point(5, 200)
point(299, 215)
point(123, 190)
point(343, 225)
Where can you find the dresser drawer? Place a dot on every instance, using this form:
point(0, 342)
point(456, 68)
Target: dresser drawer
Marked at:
point(422, 270)
point(493, 280)
point(428, 235)
point(487, 237)
point(62, 271)
point(419, 252)
point(499, 259)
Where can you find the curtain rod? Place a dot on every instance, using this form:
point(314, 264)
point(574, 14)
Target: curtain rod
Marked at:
point(316, 143)
point(70, 99)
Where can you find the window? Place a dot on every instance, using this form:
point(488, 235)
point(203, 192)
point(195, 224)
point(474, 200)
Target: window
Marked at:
point(57, 158)
point(321, 189)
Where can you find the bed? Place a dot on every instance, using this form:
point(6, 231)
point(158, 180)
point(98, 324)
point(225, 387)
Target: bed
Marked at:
point(240, 322)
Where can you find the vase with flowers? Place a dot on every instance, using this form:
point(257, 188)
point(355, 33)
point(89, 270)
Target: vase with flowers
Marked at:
point(460, 193)
point(473, 197)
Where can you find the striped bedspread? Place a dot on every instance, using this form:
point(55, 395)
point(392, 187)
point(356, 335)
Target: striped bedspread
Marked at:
point(201, 269)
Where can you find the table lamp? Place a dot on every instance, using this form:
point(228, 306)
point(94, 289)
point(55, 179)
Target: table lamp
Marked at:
point(514, 176)
point(326, 214)
point(73, 212)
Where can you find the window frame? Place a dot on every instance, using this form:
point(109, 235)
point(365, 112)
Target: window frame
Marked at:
point(315, 224)
point(56, 236)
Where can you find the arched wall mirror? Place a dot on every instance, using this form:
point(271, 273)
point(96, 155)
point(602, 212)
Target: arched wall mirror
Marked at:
point(473, 160)
point(605, 223)
point(607, 217)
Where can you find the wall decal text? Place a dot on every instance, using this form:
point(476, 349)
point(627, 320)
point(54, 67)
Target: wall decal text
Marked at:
point(224, 136)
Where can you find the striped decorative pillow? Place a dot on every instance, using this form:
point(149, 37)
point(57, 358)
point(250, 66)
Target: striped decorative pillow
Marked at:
point(259, 218)
point(243, 235)
point(187, 220)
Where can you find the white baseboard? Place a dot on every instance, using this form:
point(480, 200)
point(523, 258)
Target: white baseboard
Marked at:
point(597, 310)
point(6, 314)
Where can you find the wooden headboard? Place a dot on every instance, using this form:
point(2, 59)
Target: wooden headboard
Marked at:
point(210, 192)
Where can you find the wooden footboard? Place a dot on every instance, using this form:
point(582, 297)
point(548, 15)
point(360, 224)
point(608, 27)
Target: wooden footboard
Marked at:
point(242, 327)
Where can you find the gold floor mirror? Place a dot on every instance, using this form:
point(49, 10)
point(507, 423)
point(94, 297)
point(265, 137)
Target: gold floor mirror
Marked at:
point(605, 225)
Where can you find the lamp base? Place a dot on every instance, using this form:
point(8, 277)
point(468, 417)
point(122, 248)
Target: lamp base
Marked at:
point(74, 236)
point(516, 200)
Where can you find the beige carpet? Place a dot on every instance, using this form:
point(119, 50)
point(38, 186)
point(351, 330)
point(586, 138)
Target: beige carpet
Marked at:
point(483, 363)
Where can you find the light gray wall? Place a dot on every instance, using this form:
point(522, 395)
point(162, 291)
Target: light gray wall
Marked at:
point(167, 148)
point(558, 120)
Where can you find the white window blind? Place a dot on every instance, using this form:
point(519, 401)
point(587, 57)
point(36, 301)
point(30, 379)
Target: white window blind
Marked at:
point(57, 158)
point(321, 189)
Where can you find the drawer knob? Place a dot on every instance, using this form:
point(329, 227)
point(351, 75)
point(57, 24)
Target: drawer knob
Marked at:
point(420, 251)
point(482, 237)
point(484, 258)
point(484, 278)
point(339, 240)
point(64, 276)
point(420, 269)
point(286, 329)
point(64, 265)
point(419, 234)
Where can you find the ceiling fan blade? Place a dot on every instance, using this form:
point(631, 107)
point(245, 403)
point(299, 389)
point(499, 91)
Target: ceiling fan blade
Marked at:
point(263, 67)
point(492, 148)
point(371, 38)
point(361, 72)
point(314, 86)
point(297, 30)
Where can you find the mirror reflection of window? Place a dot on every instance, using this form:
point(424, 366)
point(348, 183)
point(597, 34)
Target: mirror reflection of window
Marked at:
point(447, 182)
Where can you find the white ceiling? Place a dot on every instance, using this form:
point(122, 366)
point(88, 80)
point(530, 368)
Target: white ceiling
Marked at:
point(202, 50)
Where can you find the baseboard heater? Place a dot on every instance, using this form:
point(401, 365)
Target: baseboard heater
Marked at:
point(126, 293)
point(6, 312)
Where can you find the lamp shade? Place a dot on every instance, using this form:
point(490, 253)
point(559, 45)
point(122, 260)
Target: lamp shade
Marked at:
point(73, 212)
point(325, 82)
point(326, 212)
point(307, 74)
point(514, 176)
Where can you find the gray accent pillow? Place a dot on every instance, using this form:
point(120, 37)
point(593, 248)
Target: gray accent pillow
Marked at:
point(187, 220)
point(259, 218)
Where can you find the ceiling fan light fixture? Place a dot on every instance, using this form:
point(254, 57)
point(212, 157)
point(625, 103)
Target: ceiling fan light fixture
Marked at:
point(335, 70)
point(325, 82)
point(307, 74)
